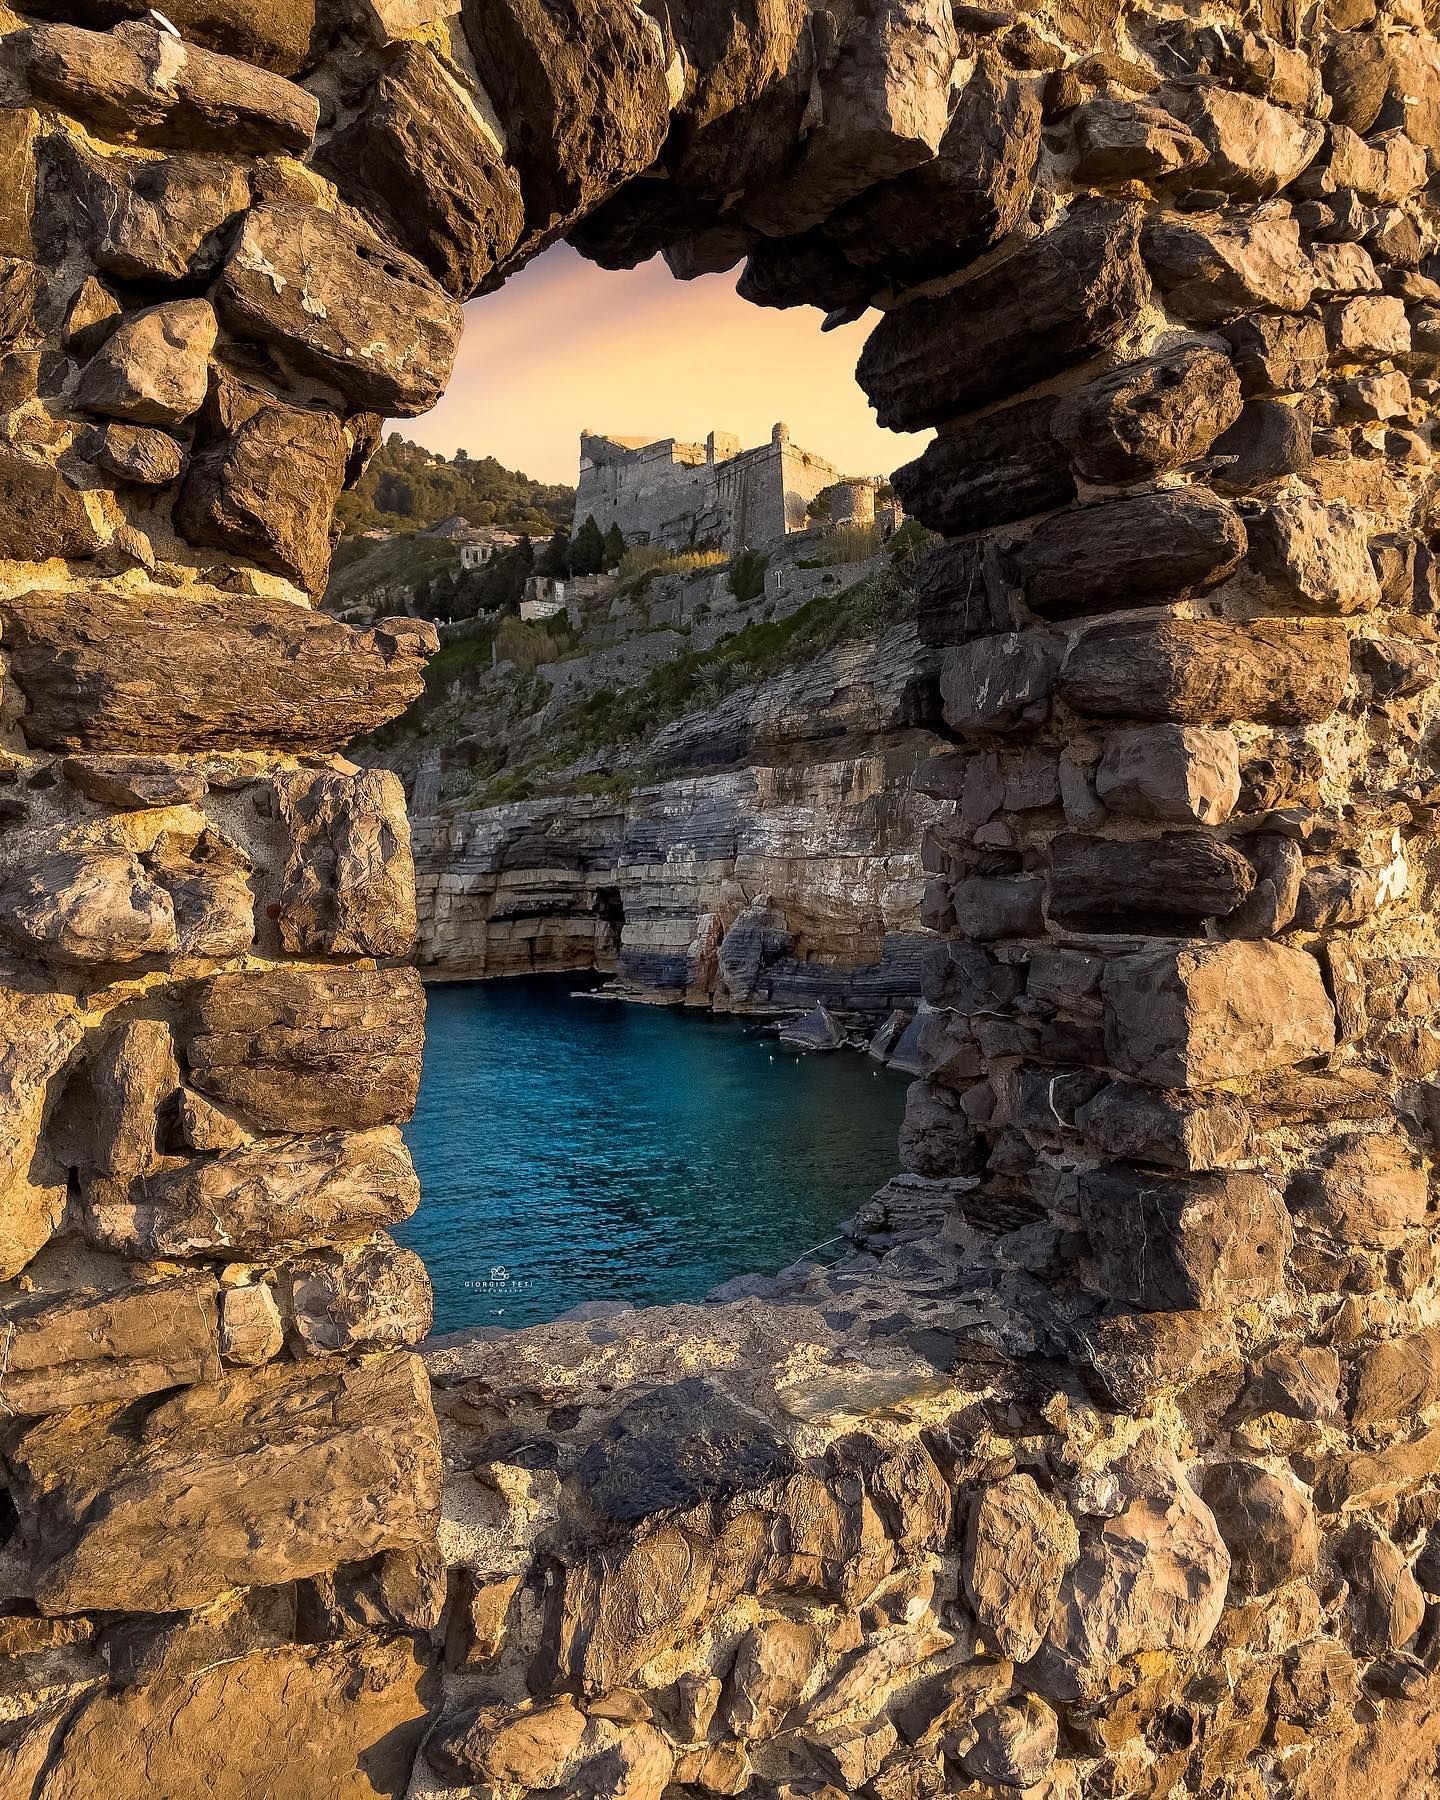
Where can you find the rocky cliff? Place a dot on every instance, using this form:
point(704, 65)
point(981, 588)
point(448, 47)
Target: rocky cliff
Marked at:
point(757, 852)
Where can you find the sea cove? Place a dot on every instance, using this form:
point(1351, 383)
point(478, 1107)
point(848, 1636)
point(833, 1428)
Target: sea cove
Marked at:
point(572, 1148)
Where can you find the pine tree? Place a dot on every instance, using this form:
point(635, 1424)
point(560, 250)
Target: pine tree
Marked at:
point(614, 547)
point(555, 557)
point(587, 550)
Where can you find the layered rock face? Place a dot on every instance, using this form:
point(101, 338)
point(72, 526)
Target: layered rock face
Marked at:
point(1125, 1486)
point(791, 877)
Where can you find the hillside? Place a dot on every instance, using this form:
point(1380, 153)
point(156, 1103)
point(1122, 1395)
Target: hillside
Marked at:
point(407, 488)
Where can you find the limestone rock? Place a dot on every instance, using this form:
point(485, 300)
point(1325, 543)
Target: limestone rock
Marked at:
point(1052, 304)
point(154, 369)
point(884, 87)
point(307, 1049)
point(374, 1297)
point(1146, 418)
point(1178, 773)
point(87, 907)
point(999, 683)
point(1255, 149)
point(1153, 1577)
point(136, 454)
point(1396, 1380)
point(1155, 547)
point(265, 1476)
point(1016, 1743)
point(1267, 1522)
point(1125, 140)
point(267, 490)
point(772, 1667)
point(1004, 465)
point(1122, 884)
point(160, 672)
point(949, 211)
point(266, 1197)
point(1019, 1546)
point(1368, 1190)
point(208, 881)
point(1190, 1132)
point(1189, 1017)
point(136, 782)
point(288, 1722)
point(1317, 554)
point(149, 220)
point(852, 1755)
point(583, 103)
point(1137, 1358)
point(348, 887)
point(341, 305)
point(133, 1079)
point(937, 1136)
point(420, 162)
point(1386, 1606)
point(1214, 268)
point(1208, 672)
point(39, 1033)
point(1175, 1242)
point(251, 1329)
point(532, 1746)
point(1273, 354)
point(41, 515)
point(636, 1765)
point(140, 84)
point(88, 1348)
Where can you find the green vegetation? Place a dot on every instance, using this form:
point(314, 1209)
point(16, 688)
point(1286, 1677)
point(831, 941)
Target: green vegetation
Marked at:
point(587, 549)
point(362, 566)
point(407, 488)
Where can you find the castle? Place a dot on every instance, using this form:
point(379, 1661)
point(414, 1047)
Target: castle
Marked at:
point(675, 494)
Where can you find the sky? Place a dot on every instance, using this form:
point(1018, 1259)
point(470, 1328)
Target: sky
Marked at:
point(566, 346)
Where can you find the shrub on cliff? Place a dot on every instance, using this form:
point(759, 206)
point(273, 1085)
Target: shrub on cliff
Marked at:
point(747, 575)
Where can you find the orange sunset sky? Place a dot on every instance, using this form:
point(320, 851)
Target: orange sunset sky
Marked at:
point(566, 345)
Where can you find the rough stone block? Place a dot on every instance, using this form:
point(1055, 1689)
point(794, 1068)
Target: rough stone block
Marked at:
point(1004, 465)
point(1054, 303)
point(90, 1348)
point(348, 886)
point(1000, 683)
point(267, 491)
point(161, 671)
point(41, 515)
point(265, 1476)
point(1173, 881)
point(1125, 140)
point(260, 1199)
point(1146, 418)
point(1268, 1524)
point(1278, 355)
point(300, 1050)
point(341, 305)
point(1138, 552)
point(1208, 671)
point(1178, 773)
point(1213, 267)
point(154, 369)
point(1190, 1017)
point(1255, 149)
point(1396, 1381)
point(140, 84)
point(429, 173)
point(1019, 1546)
point(1169, 1243)
point(288, 1722)
point(1190, 1132)
point(88, 907)
point(1316, 553)
point(1368, 1190)
point(374, 1297)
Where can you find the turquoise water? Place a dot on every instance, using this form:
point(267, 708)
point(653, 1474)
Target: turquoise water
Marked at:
point(573, 1149)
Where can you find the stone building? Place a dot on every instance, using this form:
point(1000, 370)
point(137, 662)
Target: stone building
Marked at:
point(676, 494)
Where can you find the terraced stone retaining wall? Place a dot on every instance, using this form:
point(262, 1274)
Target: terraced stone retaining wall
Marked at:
point(1120, 1482)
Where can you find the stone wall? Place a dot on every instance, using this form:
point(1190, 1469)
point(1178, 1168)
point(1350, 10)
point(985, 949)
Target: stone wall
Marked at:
point(677, 495)
point(1124, 1484)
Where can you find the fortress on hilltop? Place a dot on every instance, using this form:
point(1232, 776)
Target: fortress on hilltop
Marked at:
point(675, 494)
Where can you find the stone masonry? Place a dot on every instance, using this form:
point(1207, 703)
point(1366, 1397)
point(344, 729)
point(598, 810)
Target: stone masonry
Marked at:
point(1122, 1476)
point(677, 495)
